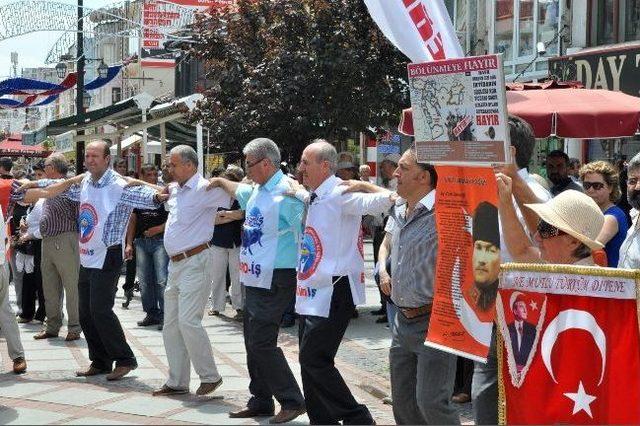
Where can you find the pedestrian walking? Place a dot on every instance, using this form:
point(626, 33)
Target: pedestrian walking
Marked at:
point(226, 242)
point(106, 202)
point(187, 233)
point(151, 257)
point(8, 323)
point(268, 259)
point(330, 282)
point(60, 264)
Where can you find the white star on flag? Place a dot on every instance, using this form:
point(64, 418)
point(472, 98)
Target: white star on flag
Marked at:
point(534, 305)
point(582, 400)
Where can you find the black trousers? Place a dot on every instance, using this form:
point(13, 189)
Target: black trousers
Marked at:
point(327, 396)
point(378, 236)
point(32, 288)
point(464, 375)
point(130, 276)
point(269, 371)
point(96, 295)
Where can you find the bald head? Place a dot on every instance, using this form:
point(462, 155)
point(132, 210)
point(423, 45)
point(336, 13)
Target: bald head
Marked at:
point(97, 158)
point(319, 161)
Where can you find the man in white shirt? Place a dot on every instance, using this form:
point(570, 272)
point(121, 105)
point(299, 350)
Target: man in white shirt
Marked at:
point(8, 323)
point(330, 283)
point(630, 248)
point(188, 230)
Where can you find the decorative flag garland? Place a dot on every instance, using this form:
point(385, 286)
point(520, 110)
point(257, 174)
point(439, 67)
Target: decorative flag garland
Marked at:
point(34, 89)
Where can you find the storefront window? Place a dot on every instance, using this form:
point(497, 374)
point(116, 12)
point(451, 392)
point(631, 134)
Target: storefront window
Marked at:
point(631, 20)
point(525, 28)
point(548, 14)
point(607, 25)
point(504, 28)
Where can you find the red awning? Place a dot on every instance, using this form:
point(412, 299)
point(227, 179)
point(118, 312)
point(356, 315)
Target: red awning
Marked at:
point(554, 109)
point(13, 145)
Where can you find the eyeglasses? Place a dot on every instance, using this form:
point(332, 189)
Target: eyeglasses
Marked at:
point(546, 230)
point(250, 165)
point(595, 185)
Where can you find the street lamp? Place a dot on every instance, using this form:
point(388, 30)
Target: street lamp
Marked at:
point(86, 100)
point(103, 69)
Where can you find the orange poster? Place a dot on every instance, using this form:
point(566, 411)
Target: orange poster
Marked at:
point(468, 262)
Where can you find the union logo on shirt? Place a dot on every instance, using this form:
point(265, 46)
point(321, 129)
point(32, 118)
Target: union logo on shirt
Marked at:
point(87, 222)
point(310, 253)
point(252, 230)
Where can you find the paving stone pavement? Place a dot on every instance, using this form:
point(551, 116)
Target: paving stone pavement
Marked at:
point(49, 393)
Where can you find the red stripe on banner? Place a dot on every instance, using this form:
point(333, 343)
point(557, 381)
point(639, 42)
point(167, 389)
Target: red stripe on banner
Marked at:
point(170, 63)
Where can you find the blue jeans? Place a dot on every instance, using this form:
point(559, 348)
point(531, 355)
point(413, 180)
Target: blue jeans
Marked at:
point(152, 262)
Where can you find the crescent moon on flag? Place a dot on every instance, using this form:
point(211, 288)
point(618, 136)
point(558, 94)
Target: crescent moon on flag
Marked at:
point(512, 298)
point(570, 319)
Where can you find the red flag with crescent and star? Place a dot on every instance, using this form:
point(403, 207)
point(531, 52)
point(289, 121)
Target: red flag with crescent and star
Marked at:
point(570, 345)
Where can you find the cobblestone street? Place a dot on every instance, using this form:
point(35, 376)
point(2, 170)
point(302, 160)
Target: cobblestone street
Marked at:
point(50, 393)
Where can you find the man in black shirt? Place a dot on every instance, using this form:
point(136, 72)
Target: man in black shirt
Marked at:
point(151, 258)
point(558, 173)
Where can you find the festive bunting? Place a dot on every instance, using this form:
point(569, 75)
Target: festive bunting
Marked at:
point(35, 89)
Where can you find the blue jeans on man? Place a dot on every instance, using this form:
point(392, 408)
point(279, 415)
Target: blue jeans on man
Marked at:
point(152, 263)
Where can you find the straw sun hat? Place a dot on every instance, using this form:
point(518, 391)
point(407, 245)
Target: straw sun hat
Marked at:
point(574, 213)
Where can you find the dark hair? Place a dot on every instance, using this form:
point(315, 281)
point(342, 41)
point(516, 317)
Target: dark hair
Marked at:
point(119, 162)
point(573, 162)
point(522, 139)
point(6, 163)
point(38, 165)
point(559, 154)
point(427, 167)
point(132, 173)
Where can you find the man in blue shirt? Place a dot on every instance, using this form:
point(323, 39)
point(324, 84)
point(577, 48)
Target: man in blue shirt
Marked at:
point(268, 259)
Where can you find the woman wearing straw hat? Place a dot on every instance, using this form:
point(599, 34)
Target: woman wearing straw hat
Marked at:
point(567, 230)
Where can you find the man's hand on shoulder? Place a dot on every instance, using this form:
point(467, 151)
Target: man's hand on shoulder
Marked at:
point(215, 182)
point(26, 184)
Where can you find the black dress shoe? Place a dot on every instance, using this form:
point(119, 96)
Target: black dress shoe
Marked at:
point(128, 295)
point(148, 321)
point(246, 413)
point(382, 320)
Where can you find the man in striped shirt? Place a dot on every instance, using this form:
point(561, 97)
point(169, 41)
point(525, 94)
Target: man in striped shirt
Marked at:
point(60, 260)
point(421, 377)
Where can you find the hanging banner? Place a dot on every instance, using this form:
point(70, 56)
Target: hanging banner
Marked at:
point(569, 351)
point(468, 263)
point(460, 111)
point(64, 142)
point(421, 29)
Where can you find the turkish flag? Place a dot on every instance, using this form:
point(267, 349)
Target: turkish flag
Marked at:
point(584, 366)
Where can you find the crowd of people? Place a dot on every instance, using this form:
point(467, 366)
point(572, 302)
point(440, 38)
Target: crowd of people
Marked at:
point(285, 245)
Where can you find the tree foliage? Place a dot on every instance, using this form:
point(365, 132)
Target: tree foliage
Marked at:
point(295, 70)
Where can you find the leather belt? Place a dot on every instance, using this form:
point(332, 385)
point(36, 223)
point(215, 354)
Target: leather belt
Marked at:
point(191, 252)
point(411, 313)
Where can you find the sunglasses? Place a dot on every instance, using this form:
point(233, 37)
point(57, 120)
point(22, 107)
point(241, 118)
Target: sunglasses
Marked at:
point(546, 230)
point(595, 185)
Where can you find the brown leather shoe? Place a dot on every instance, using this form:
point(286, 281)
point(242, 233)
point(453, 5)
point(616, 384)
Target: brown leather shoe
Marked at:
point(166, 390)
point(91, 371)
point(248, 412)
point(19, 365)
point(207, 388)
point(285, 416)
point(44, 334)
point(72, 335)
point(121, 371)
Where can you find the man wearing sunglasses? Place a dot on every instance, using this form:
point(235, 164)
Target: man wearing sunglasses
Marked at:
point(268, 258)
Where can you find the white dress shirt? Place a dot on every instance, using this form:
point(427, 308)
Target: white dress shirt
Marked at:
point(354, 206)
point(192, 211)
point(33, 220)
